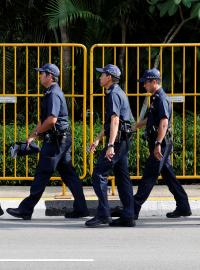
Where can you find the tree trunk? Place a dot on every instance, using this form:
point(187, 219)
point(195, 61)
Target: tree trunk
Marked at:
point(66, 60)
point(122, 54)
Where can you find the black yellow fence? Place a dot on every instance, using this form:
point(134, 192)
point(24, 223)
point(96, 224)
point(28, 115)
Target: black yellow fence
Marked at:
point(179, 65)
point(20, 96)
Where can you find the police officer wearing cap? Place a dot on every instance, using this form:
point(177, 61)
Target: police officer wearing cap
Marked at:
point(158, 123)
point(115, 153)
point(55, 152)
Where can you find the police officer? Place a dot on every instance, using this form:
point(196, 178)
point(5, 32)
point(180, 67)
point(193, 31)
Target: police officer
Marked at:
point(55, 151)
point(158, 124)
point(115, 153)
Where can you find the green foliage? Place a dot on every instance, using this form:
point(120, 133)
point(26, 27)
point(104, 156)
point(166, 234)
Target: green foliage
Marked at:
point(170, 7)
point(66, 12)
point(143, 149)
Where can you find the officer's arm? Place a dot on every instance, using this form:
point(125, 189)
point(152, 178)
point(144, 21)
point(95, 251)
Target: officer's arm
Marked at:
point(96, 141)
point(141, 123)
point(162, 129)
point(100, 135)
point(114, 125)
point(47, 124)
point(33, 134)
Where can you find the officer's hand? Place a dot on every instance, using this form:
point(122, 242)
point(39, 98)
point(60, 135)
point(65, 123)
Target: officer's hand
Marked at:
point(110, 153)
point(29, 140)
point(157, 152)
point(93, 146)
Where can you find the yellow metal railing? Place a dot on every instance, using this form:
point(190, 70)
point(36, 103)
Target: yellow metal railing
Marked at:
point(53, 53)
point(137, 55)
point(137, 58)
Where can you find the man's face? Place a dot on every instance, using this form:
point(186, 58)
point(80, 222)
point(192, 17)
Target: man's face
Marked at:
point(45, 79)
point(105, 80)
point(150, 86)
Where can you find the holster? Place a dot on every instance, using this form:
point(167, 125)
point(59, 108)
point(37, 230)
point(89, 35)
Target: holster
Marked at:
point(124, 132)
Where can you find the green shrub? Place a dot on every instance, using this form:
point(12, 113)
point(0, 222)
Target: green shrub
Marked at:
point(78, 143)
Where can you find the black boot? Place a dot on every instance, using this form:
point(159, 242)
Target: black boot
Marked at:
point(1, 211)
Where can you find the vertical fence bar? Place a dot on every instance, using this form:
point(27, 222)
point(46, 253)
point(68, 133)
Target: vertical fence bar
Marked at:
point(183, 126)
point(27, 81)
point(38, 88)
point(49, 54)
point(4, 111)
point(73, 104)
point(115, 56)
point(149, 57)
point(172, 92)
point(195, 110)
point(15, 105)
point(91, 106)
point(84, 110)
point(61, 67)
point(103, 98)
point(138, 110)
point(126, 72)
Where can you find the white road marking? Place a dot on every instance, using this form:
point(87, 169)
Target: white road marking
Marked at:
point(46, 260)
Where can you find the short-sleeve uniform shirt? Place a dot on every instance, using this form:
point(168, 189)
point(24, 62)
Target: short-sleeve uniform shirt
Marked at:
point(116, 104)
point(54, 104)
point(160, 107)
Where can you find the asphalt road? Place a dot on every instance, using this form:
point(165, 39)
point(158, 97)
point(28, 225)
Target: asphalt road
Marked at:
point(55, 243)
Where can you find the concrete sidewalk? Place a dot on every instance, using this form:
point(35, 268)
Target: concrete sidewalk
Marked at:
point(52, 204)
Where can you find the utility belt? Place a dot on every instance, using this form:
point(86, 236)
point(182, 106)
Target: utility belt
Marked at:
point(56, 136)
point(151, 134)
point(124, 132)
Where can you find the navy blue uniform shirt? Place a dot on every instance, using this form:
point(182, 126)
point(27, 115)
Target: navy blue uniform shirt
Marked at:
point(54, 104)
point(116, 103)
point(160, 108)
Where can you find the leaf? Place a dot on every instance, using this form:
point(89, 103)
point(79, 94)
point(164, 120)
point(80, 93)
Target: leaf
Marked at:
point(152, 2)
point(177, 2)
point(195, 11)
point(164, 7)
point(172, 10)
point(151, 9)
point(187, 3)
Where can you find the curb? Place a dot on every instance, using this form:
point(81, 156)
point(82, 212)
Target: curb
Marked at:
point(150, 207)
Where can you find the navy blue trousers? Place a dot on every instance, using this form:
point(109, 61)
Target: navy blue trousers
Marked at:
point(55, 156)
point(151, 173)
point(119, 165)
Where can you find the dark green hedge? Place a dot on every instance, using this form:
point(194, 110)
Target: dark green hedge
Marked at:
point(177, 154)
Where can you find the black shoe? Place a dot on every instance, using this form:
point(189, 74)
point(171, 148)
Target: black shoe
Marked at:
point(116, 211)
point(76, 214)
point(97, 221)
point(123, 222)
point(1, 211)
point(15, 212)
point(179, 213)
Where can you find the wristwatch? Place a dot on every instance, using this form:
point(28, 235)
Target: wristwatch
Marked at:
point(157, 143)
point(110, 145)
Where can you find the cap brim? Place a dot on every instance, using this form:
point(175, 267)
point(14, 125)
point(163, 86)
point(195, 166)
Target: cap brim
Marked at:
point(101, 70)
point(141, 80)
point(39, 69)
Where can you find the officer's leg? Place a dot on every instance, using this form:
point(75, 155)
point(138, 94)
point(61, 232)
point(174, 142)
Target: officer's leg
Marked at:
point(70, 178)
point(151, 173)
point(175, 187)
point(124, 186)
point(45, 169)
point(99, 181)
